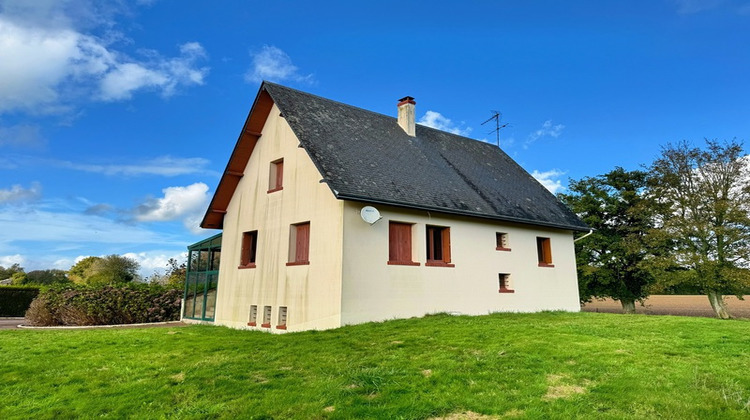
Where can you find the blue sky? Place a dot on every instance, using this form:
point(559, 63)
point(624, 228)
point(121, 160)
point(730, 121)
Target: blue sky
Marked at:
point(117, 118)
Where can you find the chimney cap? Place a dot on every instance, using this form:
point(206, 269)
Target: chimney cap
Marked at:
point(406, 100)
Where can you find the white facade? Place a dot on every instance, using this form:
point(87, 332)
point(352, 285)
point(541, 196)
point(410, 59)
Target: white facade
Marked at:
point(348, 279)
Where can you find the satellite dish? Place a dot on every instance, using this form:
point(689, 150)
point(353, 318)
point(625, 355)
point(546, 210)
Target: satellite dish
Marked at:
point(370, 214)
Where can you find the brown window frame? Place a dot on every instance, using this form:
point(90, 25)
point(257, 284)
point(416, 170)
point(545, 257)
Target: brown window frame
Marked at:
point(299, 244)
point(501, 241)
point(276, 176)
point(249, 249)
point(438, 246)
point(544, 251)
point(400, 243)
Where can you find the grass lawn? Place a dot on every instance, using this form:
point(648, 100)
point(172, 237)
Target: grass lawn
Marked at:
point(548, 365)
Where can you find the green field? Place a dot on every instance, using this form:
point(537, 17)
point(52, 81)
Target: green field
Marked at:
point(547, 365)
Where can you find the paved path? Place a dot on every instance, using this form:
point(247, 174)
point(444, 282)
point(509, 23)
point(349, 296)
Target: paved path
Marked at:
point(9, 323)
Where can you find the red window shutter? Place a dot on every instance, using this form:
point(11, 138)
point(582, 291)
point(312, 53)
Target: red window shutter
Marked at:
point(303, 243)
point(279, 174)
point(446, 232)
point(399, 239)
point(245, 253)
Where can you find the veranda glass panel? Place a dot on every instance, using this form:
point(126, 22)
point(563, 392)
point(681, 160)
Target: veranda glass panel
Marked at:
point(200, 297)
point(190, 296)
point(213, 282)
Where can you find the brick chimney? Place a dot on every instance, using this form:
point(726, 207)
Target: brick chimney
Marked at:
point(406, 115)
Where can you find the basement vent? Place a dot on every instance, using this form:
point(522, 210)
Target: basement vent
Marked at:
point(253, 316)
point(266, 317)
point(282, 318)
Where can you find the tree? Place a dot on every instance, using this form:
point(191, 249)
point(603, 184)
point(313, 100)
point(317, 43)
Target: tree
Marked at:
point(610, 259)
point(98, 271)
point(176, 274)
point(47, 277)
point(705, 219)
point(6, 273)
point(79, 270)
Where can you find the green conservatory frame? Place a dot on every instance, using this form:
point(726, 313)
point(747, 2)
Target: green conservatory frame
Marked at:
point(202, 279)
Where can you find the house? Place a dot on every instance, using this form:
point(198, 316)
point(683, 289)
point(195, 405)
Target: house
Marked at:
point(334, 215)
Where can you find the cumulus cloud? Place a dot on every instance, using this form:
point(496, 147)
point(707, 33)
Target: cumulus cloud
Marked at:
point(17, 193)
point(273, 64)
point(550, 180)
point(178, 203)
point(163, 165)
point(437, 120)
point(21, 135)
point(154, 262)
point(548, 129)
point(50, 56)
point(9, 260)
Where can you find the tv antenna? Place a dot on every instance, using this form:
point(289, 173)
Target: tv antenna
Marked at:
point(497, 116)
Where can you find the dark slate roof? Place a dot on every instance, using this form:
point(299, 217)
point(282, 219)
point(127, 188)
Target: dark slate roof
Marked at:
point(366, 156)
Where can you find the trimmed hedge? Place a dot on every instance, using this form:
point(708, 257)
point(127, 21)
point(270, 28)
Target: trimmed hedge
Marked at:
point(15, 300)
point(132, 303)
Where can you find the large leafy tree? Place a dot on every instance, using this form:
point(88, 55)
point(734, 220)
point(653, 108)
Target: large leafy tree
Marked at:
point(97, 271)
point(706, 193)
point(610, 259)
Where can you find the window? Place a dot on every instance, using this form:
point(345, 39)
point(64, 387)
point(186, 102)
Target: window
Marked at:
point(266, 317)
point(276, 176)
point(249, 247)
point(438, 246)
point(399, 244)
point(544, 251)
point(282, 318)
point(299, 244)
point(505, 283)
point(253, 316)
point(501, 241)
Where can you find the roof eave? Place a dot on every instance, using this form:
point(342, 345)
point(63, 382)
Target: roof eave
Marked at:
point(352, 197)
point(251, 132)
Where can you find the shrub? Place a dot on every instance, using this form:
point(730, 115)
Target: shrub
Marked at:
point(105, 305)
point(15, 300)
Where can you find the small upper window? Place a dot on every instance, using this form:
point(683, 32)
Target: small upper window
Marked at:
point(399, 244)
point(505, 286)
point(544, 251)
point(501, 241)
point(438, 246)
point(249, 248)
point(299, 244)
point(276, 176)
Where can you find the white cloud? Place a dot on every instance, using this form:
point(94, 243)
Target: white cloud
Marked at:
point(154, 261)
point(161, 74)
point(22, 135)
point(47, 63)
point(17, 193)
point(178, 203)
point(548, 129)
point(438, 121)
point(550, 180)
point(163, 165)
point(273, 64)
point(8, 260)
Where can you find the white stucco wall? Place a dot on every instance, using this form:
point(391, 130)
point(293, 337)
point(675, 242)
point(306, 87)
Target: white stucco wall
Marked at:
point(375, 291)
point(311, 293)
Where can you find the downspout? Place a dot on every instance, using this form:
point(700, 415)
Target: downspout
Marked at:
point(578, 239)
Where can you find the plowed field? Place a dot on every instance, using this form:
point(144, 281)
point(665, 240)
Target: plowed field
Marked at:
point(683, 305)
